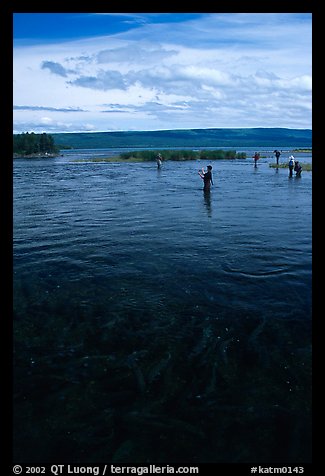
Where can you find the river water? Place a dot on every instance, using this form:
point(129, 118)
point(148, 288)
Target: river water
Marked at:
point(154, 323)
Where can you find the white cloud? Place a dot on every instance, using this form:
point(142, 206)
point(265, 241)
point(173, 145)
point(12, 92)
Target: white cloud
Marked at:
point(134, 53)
point(104, 80)
point(55, 68)
point(216, 71)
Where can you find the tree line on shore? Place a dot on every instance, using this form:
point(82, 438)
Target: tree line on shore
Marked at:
point(34, 144)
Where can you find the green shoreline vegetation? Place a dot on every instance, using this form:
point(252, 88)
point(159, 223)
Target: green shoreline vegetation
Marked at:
point(182, 155)
point(175, 155)
point(307, 167)
point(31, 145)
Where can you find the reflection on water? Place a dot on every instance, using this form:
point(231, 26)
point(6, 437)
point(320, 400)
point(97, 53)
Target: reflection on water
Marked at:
point(157, 325)
point(207, 201)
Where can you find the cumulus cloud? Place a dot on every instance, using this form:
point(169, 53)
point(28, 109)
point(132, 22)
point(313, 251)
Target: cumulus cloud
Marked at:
point(104, 80)
point(196, 83)
point(216, 70)
point(55, 68)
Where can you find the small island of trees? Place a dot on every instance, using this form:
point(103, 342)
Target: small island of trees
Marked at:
point(34, 145)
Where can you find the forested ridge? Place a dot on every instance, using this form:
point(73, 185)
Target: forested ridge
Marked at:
point(37, 144)
point(219, 138)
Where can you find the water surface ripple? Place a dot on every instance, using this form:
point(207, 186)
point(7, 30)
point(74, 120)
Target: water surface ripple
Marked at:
point(158, 324)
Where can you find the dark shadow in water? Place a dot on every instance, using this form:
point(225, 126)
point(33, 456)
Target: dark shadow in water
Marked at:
point(207, 201)
point(184, 386)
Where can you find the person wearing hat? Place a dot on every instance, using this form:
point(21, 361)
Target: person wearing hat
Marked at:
point(291, 164)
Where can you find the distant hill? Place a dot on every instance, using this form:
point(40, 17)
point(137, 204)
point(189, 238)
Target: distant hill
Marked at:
point(255, 137)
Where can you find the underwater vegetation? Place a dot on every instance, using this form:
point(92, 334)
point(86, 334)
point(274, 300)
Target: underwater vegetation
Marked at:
point(145, 385)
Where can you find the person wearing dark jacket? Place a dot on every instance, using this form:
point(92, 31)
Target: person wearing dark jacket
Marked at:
point(207, 178)
point(298, 169)
point(277, 155)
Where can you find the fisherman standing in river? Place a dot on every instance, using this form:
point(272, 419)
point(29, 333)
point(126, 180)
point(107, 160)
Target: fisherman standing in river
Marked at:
point(159, 160)
point(291, 164)
point(277, 155)
point(207, 178)
point(256, 157)
point(297, 168)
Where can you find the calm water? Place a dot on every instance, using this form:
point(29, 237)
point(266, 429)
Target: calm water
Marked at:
point(157, 324)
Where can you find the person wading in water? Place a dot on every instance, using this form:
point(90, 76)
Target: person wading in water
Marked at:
point(159, 160)
point(256, 158)
point(207, 178)
point(277, 156)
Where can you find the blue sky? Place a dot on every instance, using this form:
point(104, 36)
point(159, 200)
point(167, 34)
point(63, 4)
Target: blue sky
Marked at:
point(81, 72)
